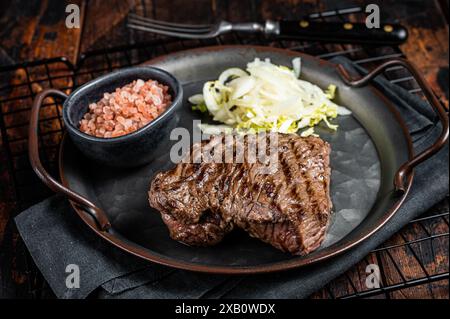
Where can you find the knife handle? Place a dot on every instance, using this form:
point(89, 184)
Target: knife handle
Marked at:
point(344, 32)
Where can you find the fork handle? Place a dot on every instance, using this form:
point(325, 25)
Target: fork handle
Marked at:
point(343, 32)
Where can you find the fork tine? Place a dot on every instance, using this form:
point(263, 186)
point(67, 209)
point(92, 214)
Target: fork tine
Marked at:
point(170, 33)
point(148, 24)
point(169, 24)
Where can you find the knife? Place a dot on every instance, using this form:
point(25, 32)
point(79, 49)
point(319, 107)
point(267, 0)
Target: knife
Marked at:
point(342, 32)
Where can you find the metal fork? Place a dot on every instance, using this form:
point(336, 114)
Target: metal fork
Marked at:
point(344, 32)
point(197, 31)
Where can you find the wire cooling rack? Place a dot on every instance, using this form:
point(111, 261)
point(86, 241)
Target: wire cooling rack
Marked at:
point(423, 247)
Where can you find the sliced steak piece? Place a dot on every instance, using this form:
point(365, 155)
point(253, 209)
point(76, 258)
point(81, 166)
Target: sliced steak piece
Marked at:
point(288, 208)
point(186, 207)
point(209, 231)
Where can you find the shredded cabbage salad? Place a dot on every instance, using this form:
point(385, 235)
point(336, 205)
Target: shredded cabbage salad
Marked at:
point(266, 97)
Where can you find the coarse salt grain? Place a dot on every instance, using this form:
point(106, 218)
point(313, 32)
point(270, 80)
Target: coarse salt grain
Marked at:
point(126, 110)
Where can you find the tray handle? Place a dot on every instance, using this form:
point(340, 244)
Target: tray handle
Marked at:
point(33, 151)
point(406, 168)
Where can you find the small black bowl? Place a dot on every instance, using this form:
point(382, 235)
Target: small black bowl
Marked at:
point(136, 148)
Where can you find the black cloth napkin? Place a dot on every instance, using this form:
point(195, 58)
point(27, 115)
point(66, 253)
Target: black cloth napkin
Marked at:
point(56, 237)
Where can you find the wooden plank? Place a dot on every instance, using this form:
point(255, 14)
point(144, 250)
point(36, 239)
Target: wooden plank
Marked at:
point(427, 46)
point(352, 282)
point(42, 32)
point(420, 259)
point(104, 23)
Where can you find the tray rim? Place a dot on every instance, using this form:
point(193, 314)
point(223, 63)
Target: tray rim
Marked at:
point(144, 253)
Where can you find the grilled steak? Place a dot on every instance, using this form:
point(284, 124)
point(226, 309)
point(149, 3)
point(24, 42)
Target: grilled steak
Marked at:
point(288, 208)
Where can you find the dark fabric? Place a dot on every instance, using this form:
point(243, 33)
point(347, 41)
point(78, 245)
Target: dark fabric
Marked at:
point(56, 237)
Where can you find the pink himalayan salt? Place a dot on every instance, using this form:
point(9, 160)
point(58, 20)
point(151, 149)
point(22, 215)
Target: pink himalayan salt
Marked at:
point(126, 110)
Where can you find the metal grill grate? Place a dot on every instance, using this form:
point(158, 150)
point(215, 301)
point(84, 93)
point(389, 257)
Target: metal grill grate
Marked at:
point(421, 237)
point(20, 83)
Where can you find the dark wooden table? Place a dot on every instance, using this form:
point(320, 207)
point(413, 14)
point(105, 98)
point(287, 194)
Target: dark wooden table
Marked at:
point(32, 29)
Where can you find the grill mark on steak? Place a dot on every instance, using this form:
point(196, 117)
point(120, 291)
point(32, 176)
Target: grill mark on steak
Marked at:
point(283, 206)
point(255, 211)
point(315, 225)
point(289, 209)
